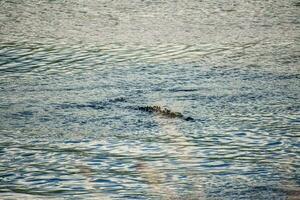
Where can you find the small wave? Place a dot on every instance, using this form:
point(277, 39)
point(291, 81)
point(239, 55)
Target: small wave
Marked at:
point(19, 59)
point(92, 105)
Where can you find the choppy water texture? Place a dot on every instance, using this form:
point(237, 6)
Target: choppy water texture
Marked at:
point(80, 79)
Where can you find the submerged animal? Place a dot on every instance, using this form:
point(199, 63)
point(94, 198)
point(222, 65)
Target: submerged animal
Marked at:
point(164, 112)
point(110, 102)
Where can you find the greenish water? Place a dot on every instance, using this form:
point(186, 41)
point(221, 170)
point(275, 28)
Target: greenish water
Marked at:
point(74, 76)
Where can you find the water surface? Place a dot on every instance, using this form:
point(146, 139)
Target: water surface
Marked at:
point(74, 73)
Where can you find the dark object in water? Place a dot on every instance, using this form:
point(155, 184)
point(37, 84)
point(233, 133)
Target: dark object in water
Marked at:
point(165, 112)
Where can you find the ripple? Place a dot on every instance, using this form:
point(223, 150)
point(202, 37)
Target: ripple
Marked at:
point(75, 76)
point(37, 59)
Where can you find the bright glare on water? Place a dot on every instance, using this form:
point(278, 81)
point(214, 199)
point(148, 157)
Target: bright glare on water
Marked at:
point(149, 99)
